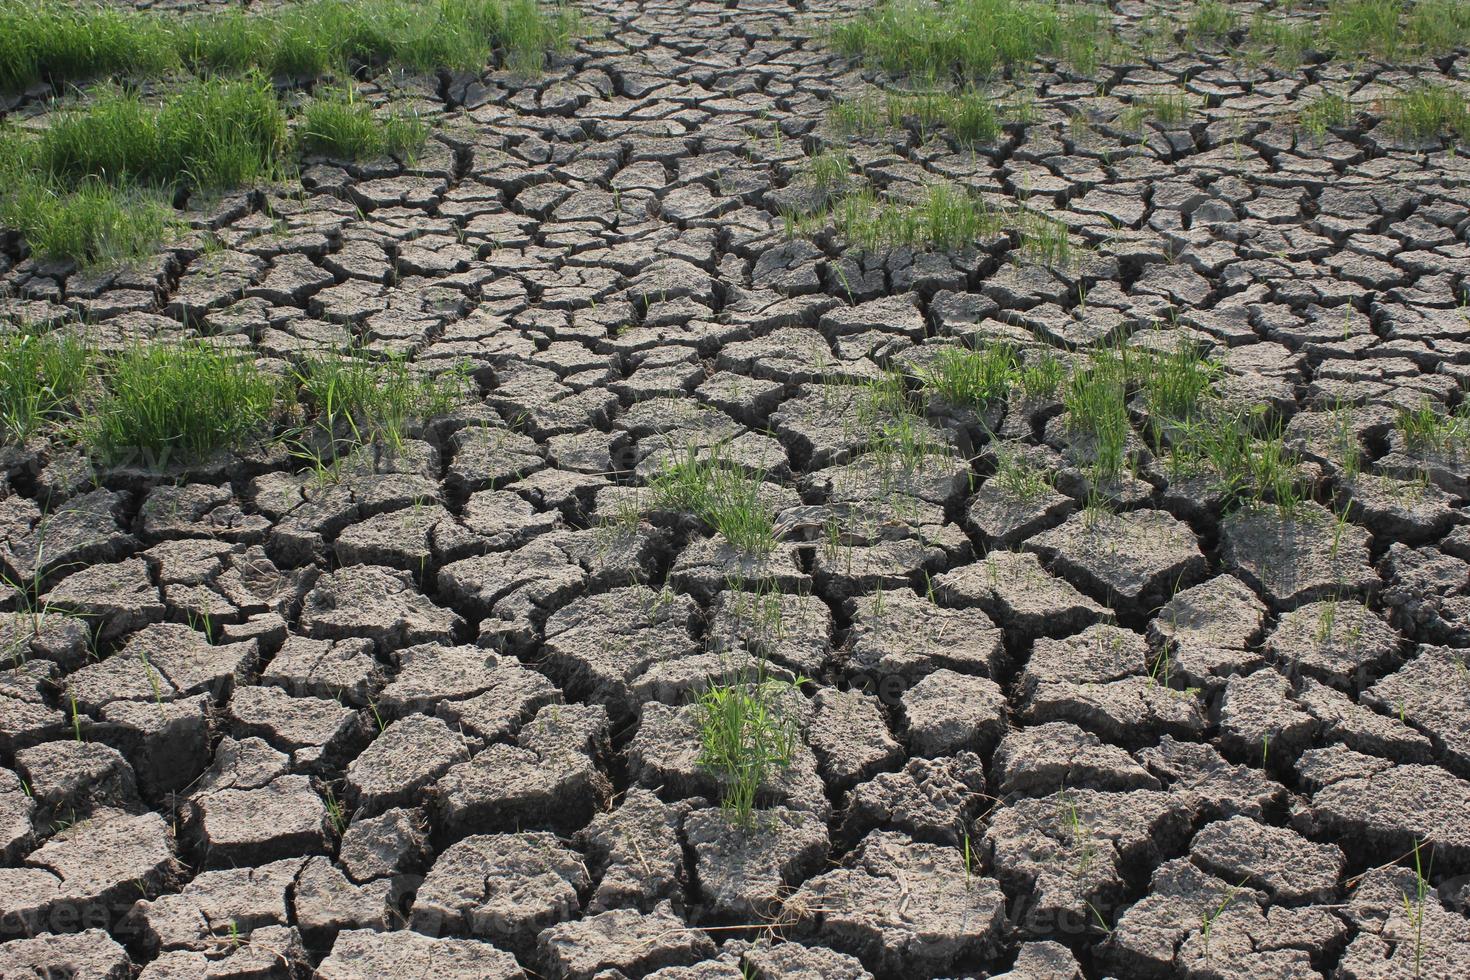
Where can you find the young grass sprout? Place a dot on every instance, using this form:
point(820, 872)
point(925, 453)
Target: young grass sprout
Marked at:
point(747, 734)
point(721, 496)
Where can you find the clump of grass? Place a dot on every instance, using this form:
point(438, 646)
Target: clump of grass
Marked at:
point(1043, 240)
point(93, 223)
point(1210, 21)
point(889, 417)
point(1429, 112)
point(338, 125)
point(41, 377)
point(831, 169)
point(1096, 400)
point(720, 496)
point(1175, 386)
point(862, 116)
point(973, 377)
point(1017, 476)
point(968, 115)
point(96, 185)
point(1358, 27)
point(746, 735)
point(1439, 26)
point(946, 217)
point(1323, 113)
point(1423, 428)
point(358, 399)
point(211, 133)
point(1169, 110)
point(57, 42)
point(1391, 29)
point(179, 401)
point(1282, 41)
point(1247, 467)
point(972, 38)
point(49, 40)
point(1041, 376)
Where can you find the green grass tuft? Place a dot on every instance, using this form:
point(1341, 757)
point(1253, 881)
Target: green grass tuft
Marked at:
point(49, 40)
point(211, 133)
point(337, 125)
point(165, 402)
point(746, 735)
point(946, 217)
point(1324, 113)
point(1395, 29)
point(973, 377)
point(1425, 428)
point(94, 224)
point(720, 496)
point(968, 39)
point(41, 377)
point(1211, 21)
point(1096, 399)
point(356, 399)
point(1168, 110)
point(1429, 112)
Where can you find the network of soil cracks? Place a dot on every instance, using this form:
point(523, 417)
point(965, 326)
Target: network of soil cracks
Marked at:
point(430, 715)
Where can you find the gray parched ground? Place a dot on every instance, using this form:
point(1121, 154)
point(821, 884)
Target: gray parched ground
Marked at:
point(431, 715)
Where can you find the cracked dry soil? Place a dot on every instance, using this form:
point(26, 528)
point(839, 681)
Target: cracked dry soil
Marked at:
point(438, 724)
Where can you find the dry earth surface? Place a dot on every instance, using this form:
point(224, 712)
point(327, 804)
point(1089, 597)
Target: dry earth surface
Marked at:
point(431, 717)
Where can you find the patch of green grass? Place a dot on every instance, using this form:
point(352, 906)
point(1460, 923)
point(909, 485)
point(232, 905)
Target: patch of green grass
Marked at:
point(1017, 476)
point(946, 217)
point(831, 169)
point(968, 115)
point(1042, 374)
point(1096, 399)
point(1429, 112)
point(58, 42)
point(164, 402)
point(1175, 386)
point(973, 377)
point(1248, 460)
point(93, 223)
point(1043, 240)
point(357, 399)
point(1283, 41)
point(49, 40)
point(1394, 29)
point(863, 116)
point(41, 377)
point(747, 734)
point(1359, 27)
point(1324, 113)
point(1168, 110)
point(966, 39)
point(315, 38)
point(720, 496)
point(890, 421)
point(1424, 428)
point(1439, 26)
point(211, 133)
point(340, 126)
point(1210, 21)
